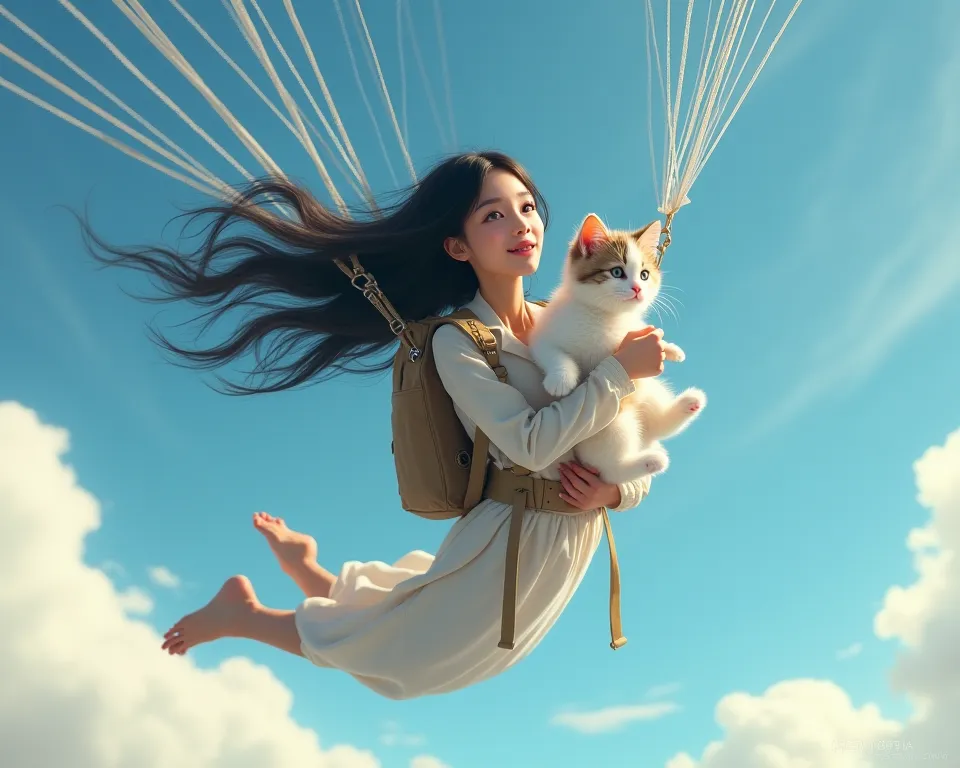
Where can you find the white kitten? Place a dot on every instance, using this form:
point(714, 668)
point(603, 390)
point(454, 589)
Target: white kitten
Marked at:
point(610, 280)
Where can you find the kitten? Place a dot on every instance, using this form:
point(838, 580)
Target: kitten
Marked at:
point(610, 280)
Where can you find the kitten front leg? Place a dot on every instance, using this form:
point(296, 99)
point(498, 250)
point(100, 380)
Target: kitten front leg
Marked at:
point(561, 373)
point(684, 409)
point(673, 353)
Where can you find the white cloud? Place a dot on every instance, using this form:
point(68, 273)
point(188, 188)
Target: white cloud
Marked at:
point(164, 577)
point(814, 722)
point(78, 666)
point(134, 600)
point(916, 268)
point(112, 566)
point(394, 736)
point(659, 691)
point(850, 651)
point(613, 718)
point(427, 761)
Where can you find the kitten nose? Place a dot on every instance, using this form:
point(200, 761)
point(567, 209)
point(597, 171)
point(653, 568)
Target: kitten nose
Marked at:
point(636, 289)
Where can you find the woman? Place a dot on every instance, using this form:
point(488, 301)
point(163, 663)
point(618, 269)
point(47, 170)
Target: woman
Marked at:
point(466, 235)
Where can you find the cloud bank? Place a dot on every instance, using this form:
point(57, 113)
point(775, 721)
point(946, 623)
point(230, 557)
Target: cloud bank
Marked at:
point(814, 723)
point(84, 682)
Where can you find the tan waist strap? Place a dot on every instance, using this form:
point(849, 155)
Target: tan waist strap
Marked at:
point(523, 492)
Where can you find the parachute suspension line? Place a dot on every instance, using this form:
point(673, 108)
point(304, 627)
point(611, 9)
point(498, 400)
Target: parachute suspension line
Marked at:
point(726, 92)
point(445, 70)
point(403, 71)
point(263, 97)
point(386, 94)
point(32, 68)
point(153, 88)
point(119, 145)
point(199, 170)
point(308, 49)
point(363, 92)
point(367, 192)
point(753, 79)
point(428, 89)
point(256, 45)
point(145, 24)
point(142, 20)
point(688, 147)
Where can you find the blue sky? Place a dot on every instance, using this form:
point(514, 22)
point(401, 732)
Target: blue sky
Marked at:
point(818, 280)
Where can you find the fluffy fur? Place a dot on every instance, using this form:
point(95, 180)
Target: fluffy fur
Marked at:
point(610, 280)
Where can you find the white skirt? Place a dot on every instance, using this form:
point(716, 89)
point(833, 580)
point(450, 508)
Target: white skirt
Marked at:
point(430, 624)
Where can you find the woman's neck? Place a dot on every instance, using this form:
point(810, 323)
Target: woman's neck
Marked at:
point(505, 297)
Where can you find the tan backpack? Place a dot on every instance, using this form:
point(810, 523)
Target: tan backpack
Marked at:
point(440, 470)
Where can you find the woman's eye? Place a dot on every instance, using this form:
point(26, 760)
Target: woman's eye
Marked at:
point(644, 274)
point(618, 273)
point(492, 214)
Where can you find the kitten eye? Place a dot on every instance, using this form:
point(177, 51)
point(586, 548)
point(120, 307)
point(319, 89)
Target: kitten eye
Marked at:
point(644, 274)
point(618, 273)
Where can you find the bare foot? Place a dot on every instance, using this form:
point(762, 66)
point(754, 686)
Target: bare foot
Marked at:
point(292, 548)
point(297, 554)
point(221, 617)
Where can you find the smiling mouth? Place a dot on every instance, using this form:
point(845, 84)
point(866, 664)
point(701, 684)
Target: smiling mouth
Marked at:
point(522, 249)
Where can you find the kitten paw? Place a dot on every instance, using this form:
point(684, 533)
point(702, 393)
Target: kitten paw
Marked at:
point(692, 401)
point(561, 381)
point(655, 462)
point(673, 353)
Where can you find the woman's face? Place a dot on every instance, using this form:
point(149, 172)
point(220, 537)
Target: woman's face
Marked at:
point(503, 234)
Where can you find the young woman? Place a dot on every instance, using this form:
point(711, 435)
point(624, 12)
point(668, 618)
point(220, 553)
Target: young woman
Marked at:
point(466, 235)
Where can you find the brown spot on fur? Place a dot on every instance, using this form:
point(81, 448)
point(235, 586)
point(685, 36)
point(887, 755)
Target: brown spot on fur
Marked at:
point(595, 267)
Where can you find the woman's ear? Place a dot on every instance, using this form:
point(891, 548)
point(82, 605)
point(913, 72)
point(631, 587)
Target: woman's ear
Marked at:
point(456, 249)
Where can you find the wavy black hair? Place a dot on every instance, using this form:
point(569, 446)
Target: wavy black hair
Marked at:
point(304, 321)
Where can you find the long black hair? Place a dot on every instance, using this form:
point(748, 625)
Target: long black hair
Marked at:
point(305, 322)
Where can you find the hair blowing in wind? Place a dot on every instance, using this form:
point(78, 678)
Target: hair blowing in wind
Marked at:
point(301, 318)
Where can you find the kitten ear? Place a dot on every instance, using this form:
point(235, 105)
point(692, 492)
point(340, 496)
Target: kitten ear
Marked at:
point(591, 235)
point(648, 237)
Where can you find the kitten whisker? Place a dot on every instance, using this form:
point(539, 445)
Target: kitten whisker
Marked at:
point(657, 304)
point(671, 301)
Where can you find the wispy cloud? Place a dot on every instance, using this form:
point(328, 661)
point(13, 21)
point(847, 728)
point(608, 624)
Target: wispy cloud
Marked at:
point(427, 761)
point(659, 691)
point(163, 577)
point(112, 566)
point(850, 651)
point(135, 601)
point(613, 718)
point(65, 306)
point(916, 274)
point(393, 735)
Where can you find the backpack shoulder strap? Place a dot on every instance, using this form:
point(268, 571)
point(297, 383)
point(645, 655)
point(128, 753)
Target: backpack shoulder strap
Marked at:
point(486, 342)
point(482, 336)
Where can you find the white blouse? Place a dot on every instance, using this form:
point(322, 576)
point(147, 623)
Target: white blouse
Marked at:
point(430, 624)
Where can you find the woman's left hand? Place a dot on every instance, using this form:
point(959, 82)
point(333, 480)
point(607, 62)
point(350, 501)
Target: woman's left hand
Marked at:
point(584, 489)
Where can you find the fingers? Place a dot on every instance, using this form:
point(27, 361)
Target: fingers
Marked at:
point(649, 330)
point(575, 501)
point(589, 476)
point(583, 481)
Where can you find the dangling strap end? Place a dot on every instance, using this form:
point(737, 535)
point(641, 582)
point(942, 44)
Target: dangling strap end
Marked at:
point(618, 643)
point(508, 619)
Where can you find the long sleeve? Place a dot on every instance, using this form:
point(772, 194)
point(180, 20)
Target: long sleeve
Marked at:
point(533, 439)
point(631, 494)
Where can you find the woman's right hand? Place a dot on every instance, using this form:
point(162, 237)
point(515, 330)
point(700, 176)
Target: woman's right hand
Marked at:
point(641, 353)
